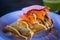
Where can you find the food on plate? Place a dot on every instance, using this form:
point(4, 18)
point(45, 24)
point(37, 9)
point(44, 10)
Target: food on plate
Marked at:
point(34, 20)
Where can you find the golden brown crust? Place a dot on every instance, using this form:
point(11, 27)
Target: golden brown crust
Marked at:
point(30, 23)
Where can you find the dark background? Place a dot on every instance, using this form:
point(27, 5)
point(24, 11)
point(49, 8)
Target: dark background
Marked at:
point(7, 6)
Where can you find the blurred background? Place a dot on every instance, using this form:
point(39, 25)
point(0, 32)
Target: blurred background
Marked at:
point(7, 6)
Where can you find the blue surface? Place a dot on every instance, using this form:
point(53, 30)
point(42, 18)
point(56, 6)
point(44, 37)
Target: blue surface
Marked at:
point(13, 16)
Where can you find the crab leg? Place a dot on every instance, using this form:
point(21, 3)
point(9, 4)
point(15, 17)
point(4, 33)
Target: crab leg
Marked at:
point(54, 28)
point(54, 35)
point(47, 37)
point(42, 38)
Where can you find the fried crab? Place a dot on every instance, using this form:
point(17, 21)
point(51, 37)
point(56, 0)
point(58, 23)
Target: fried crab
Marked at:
point(34, 20)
